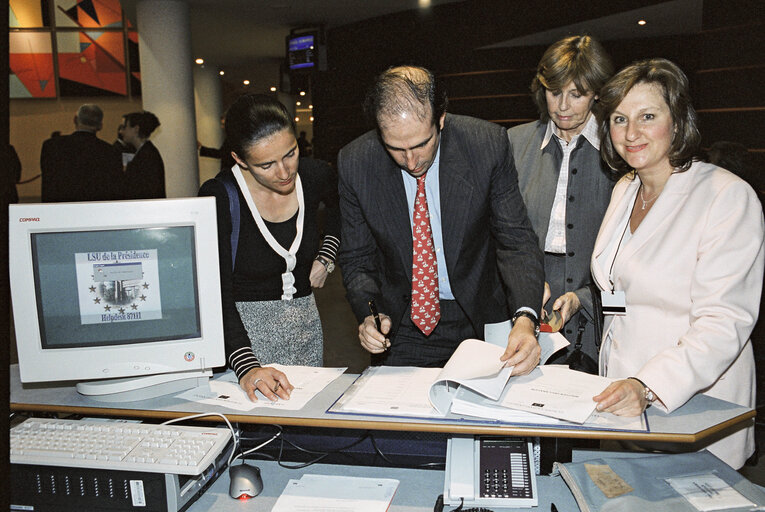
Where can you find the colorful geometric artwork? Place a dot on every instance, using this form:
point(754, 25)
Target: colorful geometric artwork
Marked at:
point(31, 65)
point(28, 13)
point(91, 63)
point(88, 13)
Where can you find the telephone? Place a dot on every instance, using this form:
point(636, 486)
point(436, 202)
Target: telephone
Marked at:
point(490, 471)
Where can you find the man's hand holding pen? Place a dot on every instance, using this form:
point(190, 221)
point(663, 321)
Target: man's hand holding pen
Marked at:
point(373, 331)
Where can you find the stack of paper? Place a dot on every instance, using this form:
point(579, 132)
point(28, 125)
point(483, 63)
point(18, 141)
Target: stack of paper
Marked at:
point(336, 494)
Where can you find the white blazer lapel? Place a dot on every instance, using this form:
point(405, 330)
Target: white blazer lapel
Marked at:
point(663, 211)
point(616, 215)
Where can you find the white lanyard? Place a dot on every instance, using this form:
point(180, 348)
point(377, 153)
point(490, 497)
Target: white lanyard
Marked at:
point(290, 256)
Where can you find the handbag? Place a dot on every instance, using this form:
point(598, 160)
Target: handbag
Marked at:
point(578, 360)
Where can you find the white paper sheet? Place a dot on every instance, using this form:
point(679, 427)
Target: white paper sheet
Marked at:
point(552, 390)
point(392, 390)
point(226, 392)
point(708, 492)
point(323, 493)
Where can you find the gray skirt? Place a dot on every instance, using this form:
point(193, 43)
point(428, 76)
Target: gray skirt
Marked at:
point(284, 331)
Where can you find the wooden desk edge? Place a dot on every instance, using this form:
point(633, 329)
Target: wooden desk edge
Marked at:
point(443, 428)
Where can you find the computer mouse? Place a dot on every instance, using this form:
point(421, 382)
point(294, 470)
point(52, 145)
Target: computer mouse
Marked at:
point(245, 481)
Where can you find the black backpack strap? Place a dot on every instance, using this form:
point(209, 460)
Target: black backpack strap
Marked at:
point(233, 205)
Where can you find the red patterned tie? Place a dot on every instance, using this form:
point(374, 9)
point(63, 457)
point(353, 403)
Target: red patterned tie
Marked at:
point(426, 310)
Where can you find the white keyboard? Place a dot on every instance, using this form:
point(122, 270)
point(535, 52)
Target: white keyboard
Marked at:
point(117, 446)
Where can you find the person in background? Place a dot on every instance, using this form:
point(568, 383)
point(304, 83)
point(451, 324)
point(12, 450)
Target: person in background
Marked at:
point(271, 251)
point(119, 143)
point(80, 166)
point(145, 173)
point(304, 145)
point(13, 175)
point(565, 184)
point(434, 230)
point(681, 251)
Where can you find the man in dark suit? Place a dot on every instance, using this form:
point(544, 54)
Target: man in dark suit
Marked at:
point(80, 166)
point(427, 186)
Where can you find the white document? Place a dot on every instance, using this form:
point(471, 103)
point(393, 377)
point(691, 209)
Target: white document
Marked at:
point(554, 391)
point(466, 404)
point(476, 365)
point(549, 342)
point(709, 492)
point(391, 390)
point(323, 493)
point(226, 392)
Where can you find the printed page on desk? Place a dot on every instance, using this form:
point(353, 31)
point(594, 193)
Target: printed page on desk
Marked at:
point(336, 494)
point(226, 392)
point(549, 395)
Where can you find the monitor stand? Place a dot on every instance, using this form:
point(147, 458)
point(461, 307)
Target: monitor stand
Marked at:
point(131, 389)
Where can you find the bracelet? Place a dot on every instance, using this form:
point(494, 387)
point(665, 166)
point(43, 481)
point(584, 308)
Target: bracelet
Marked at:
point(648, 395)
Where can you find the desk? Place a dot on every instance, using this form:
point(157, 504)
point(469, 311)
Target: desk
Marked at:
point(417, 490)
point(699, 419)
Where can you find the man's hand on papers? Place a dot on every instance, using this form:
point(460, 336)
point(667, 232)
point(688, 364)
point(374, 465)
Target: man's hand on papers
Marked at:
point(371, 339)
point(269, 381)
point(624, 398)
point(523, 351)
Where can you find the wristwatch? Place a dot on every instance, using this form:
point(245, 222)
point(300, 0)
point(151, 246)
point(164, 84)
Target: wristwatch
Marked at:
point(328, 264)
point(531, 317)
point(648, 395)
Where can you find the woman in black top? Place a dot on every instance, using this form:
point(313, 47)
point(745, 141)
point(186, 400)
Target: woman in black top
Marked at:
point(269, 245)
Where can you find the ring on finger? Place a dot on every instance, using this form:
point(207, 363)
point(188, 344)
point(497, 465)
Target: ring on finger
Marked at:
point(255, 384)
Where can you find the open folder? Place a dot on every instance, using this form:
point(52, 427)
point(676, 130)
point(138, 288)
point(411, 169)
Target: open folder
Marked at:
point(475, 383)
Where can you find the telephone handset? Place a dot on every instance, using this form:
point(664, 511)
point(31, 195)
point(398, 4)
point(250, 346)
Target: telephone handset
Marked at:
point(487, 471)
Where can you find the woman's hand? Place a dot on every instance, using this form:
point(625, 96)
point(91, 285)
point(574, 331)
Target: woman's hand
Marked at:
point(269, 381)
point(318, 274)
point(624, 398)
point(567, 304)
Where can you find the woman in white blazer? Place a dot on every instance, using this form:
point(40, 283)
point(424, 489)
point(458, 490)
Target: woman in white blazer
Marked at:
point(681, 249)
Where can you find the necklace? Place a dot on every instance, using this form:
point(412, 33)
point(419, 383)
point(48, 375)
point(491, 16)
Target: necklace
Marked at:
point(647, 201)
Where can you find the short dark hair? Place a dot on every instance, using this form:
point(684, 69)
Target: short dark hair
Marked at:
point(673, 83)
point(146, 122)
point(252, 118)
point(578, 59)
point(410, 89)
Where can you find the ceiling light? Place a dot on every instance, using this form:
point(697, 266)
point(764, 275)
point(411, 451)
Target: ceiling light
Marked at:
point(246, 82)
point(297, 103)
point(310, 106)
point(297, 119)
point(221, 72)
point(273, 89)
point(311, 118)
point(641, 22)
point(302, 93)
point(424, 4)
point(200, 61)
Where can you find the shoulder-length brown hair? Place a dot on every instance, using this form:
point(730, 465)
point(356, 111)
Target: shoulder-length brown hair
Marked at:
point(673, 84)
point(578, 59)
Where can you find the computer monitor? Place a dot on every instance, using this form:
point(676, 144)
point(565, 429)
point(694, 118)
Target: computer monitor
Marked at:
point(127, 291)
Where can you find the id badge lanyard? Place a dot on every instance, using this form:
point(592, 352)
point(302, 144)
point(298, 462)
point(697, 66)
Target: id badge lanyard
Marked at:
point(290, 256)
point(614, 301)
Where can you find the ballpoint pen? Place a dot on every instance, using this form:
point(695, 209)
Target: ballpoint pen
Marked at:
point(376, 315)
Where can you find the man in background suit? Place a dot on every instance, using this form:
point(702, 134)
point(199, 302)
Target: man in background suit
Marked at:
point(80, 166)
point(427, 186)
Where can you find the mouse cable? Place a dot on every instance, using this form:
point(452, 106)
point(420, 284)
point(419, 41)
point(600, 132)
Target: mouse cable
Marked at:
point(261, 445)
point(439, 507)
point(234, 433)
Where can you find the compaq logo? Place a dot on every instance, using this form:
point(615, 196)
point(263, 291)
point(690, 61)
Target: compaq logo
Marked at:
point(29, 219)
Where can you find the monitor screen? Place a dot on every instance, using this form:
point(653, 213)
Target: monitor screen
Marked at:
point(117, 286)
point(115, 289)
point(301, 51)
